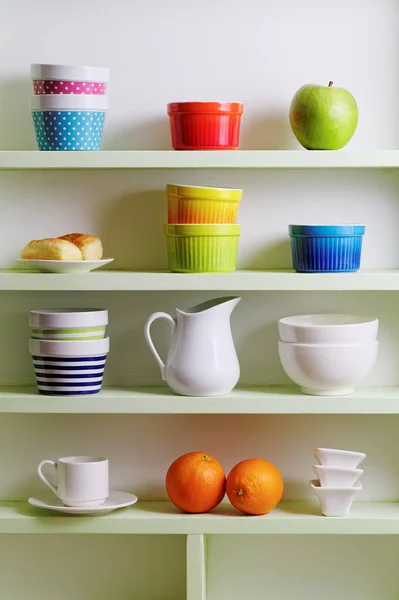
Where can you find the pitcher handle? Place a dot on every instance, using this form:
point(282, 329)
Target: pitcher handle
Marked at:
point(147, 334)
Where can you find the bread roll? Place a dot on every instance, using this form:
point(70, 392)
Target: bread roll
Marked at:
point(51, 249)
point(89, 245)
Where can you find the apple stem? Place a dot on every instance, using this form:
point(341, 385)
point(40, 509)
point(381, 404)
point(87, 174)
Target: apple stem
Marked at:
point(331, 84)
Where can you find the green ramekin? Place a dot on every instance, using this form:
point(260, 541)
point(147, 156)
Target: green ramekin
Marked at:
point(202, 248)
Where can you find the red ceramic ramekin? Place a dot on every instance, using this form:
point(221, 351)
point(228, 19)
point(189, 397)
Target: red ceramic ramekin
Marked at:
point(205, 125)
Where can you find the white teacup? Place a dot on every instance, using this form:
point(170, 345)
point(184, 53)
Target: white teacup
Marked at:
point(81, 480)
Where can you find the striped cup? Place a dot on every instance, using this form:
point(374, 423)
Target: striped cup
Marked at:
point(68, 325)
point(72, 368)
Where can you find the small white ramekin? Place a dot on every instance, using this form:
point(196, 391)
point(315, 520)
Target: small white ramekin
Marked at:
point(337, 476)
point(335, 502)
point(346, 459)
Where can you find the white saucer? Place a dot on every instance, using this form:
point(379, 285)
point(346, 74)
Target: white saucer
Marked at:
point(68, 267)
point(114, 501)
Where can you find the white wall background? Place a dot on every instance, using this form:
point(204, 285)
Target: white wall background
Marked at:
point(259, 52)
point(159, 51)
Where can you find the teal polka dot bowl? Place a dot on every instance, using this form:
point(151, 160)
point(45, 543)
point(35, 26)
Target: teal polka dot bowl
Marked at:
point(69, 122)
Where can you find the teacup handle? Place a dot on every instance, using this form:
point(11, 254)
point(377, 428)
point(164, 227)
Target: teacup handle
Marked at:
point(147, 334)
point(43, 478)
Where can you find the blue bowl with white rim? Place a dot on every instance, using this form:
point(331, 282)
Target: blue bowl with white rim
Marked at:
point(68, 122)
point(326, 248)
point(73, 368)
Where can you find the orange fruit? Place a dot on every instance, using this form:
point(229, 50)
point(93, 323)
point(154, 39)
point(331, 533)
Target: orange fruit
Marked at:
point(254, 486)
point(196, 482)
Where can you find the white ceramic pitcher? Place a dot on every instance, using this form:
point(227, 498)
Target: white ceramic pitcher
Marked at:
point(202, 360)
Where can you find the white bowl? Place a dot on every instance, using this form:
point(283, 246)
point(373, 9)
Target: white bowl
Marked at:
point(328, 329)
point(345, 459)
point(335, 502)
point(68, 318)
point(68, 349)
point(337, 476)
point(324, 370)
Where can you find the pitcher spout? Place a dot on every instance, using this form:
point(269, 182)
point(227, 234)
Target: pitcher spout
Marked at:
point(231, 303)
point(226, 304)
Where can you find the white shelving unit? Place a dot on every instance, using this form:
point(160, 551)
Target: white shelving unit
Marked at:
point(161, 518)
point(259, 53)
point(272, 400)
point(168, 159)
point(294, 518)
point(162, 281)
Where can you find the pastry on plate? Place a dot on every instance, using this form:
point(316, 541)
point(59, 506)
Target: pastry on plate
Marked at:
point(89, 245)
point(51, 249)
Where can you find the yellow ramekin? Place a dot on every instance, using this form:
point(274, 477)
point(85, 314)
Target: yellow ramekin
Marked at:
point(189, 204)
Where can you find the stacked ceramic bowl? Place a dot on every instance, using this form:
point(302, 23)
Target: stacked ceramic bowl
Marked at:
point(69, 106)
point(327, 355)
point(202, 234)
point(326, 248)
point(337, 480)
point(69, 349)
point(205, 125)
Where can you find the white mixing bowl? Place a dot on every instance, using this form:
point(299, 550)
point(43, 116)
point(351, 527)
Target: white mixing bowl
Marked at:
point(328, 329)
point(323, 370)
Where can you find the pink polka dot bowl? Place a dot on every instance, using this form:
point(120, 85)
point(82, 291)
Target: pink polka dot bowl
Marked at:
point(65, 79)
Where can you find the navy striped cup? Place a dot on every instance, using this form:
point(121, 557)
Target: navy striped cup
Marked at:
point(73, 368)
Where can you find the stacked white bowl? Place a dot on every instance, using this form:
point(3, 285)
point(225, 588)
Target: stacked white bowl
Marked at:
point(337, 480)
point(69, 349)
point(328, 354)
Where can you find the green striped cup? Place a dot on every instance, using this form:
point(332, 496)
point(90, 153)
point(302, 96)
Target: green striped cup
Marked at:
point(79, 325)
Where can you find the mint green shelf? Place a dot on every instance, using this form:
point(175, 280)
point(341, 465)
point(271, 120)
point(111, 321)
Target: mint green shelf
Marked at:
point(15, 280)
point(243, 400)
point(302, 518)
point(169, 159)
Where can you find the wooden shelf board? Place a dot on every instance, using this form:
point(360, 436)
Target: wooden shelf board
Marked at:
point(367, 518)
point(243, 400)
point(246, 280)
point(169, 159)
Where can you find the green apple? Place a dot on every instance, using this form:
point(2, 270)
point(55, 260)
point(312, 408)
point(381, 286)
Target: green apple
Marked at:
point(323, 117)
